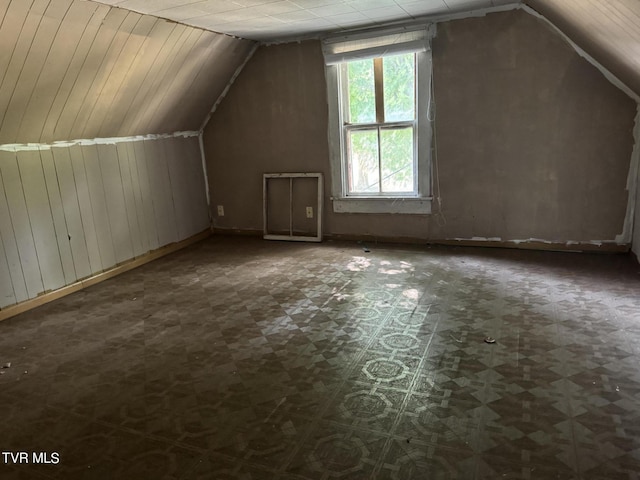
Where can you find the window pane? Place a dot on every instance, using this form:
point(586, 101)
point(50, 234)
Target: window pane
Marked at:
point(399, 87)
point(363, 162)
point(362, 94)
point(396, 146)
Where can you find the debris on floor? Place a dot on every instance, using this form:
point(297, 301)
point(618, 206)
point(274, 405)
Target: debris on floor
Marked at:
point(489, 340)
point(365, 249)
point(7, 365)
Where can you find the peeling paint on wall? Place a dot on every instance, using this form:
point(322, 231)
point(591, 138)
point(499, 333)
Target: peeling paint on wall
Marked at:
point(16, 147)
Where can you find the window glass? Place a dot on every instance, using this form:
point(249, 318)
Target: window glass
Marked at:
point(399, 87)
point(396, 163)
point(362, 95)
point(363, 161)
point(380, 153)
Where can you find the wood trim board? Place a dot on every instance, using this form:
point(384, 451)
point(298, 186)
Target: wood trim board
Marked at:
point(47, 297)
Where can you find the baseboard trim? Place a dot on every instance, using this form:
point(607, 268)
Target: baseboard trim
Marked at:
point(13, 310)
point(528, 245)
point(604, 247)
point(537, 245)
point(237, 231)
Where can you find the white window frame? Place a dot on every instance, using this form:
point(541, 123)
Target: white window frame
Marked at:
point(418, 202)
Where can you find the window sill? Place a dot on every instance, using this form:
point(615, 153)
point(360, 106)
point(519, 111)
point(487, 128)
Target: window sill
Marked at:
point(403, 205)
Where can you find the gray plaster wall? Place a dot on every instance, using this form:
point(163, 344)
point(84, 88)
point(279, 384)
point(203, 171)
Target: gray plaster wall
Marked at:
point(532, 141)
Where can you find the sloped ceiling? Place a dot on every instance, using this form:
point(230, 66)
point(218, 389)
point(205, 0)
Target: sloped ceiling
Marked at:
point(72, 69)
point(609, 31)
point(269, 20)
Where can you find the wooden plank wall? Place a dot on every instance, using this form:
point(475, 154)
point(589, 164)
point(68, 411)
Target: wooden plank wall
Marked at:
point(608, 31)
point(71, 211)
point(72, 69)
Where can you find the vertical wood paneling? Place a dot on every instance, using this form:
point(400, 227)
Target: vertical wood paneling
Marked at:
point(208, 46)
point(71, 209)
point(7, 296)
point(111, 83)
point(160, 187)
point(186, 62)
point(57, 212)
point(146, 195)
point(12, 23)
point(116, 208)
point(215, 71)
point(135, 115)
point(86, 209)
point(197, 188)
point(129, 199)
point(24, 109)
point(53, 81)
point(21, 226)
point(609, 31)
point(145, 120)
point(57, 123)
point(39, 210)
point(73, 69)
point(10, 269)
point(99, 205)
point(75, 102)
point(24, 39)
point(163, 44)
point(109, 60)
point(145, 58)
point(179, 186)
point(138, 197)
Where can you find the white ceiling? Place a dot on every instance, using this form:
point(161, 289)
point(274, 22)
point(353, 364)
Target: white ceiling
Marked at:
point(277, 19)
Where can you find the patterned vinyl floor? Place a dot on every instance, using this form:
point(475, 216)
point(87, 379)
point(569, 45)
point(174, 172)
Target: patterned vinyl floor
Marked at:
point(245, 359)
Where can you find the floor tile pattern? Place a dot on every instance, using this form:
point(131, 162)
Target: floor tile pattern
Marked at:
point(245, 359)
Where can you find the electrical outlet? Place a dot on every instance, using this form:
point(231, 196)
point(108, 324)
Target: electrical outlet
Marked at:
point(309, 212)
point(220, 211)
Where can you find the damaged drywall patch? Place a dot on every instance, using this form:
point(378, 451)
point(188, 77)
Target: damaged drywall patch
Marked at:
point(632, 185)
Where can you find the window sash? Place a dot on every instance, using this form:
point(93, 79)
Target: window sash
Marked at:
point(387, 203)
point(379, 127)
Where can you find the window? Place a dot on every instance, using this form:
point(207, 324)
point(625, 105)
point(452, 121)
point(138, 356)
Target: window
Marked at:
point(379, 125)
point(379, 130)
